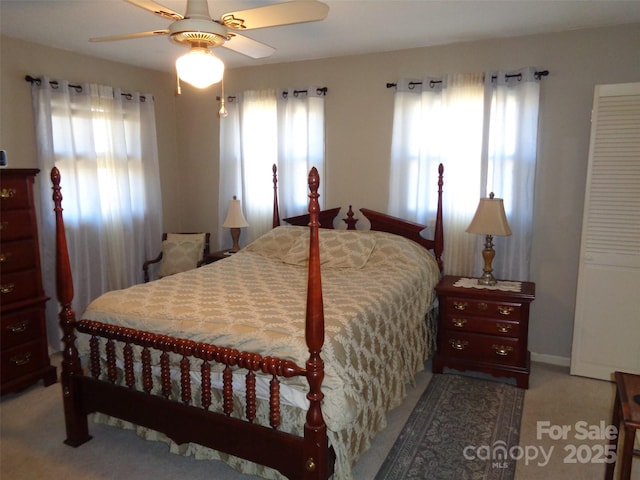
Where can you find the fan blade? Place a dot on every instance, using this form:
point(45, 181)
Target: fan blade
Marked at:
point(128, 36)
point(247, 46)
point(297, 11)
point(156, 8)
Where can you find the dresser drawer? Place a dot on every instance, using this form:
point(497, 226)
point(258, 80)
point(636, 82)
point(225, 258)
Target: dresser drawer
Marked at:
point(18, 286)
point(481, 348)
point(490, 326)
point(16, 224)
point(18, 255)
point(22, 360)
point(486, 308)
point(14, 194)
point(21, 327)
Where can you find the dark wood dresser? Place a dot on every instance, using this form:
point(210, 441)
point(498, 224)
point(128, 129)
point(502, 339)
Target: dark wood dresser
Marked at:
point(25, 357)
point(484, 330)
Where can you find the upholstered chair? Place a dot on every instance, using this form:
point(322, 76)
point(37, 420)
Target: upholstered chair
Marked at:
point(180, 252)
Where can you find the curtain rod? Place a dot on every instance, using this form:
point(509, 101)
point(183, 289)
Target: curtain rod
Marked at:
point(78, 88)
point(538, 75)
point(319, 91)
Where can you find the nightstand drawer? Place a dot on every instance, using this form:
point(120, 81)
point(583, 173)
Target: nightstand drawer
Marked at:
point(480, 307)
point(483, 348)
point(490, 326)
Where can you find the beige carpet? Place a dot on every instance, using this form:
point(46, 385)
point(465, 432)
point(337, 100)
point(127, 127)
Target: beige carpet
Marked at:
point(32, 431)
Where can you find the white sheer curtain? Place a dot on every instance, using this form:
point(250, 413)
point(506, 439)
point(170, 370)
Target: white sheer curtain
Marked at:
point(485, 134)
point(248, 150)
point(300, 147)
point(511, 166)
point(439, 121)
point(104, 144)
point(264, 128)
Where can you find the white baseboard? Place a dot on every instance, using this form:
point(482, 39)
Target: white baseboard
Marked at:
point(550, 359)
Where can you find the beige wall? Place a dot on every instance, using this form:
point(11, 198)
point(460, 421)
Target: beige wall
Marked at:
point(358, 113)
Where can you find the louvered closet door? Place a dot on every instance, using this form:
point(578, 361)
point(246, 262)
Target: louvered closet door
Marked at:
point(606, 335)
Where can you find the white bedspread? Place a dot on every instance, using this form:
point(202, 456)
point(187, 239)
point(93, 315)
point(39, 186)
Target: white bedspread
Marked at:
point(377, 289)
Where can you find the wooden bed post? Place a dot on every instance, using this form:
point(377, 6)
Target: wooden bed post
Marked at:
point(76, 423)
point(439, 231)
point(275, 222)
point(316, 446)
point(350, 220)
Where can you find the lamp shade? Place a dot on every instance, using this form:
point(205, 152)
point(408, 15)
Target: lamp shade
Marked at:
point(199, 67)
point(235, 218)
point(490, 218)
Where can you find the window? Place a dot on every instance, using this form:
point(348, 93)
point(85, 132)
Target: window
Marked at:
point(483, 128)
point(104, 144)
point(264, 128)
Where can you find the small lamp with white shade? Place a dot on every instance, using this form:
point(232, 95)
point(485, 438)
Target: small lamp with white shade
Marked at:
point(235, 221)
point(489, 219)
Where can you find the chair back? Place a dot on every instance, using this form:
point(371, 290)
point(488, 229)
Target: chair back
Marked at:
point(180, 252)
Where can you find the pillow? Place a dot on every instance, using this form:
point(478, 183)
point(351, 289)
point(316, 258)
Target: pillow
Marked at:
point(338, 249)
point(180, 252)
point(276, 242)
point(187, 237)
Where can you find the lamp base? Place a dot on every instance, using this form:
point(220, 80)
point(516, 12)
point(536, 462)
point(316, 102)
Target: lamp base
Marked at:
point(235, 237)
point(487, 279)
point(487, 254)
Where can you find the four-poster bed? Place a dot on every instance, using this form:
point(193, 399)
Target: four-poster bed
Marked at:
point(165, 354)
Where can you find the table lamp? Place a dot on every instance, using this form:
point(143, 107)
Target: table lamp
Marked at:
point(489, 220)
point(235, 221)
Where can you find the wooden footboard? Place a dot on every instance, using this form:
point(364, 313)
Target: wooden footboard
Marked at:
point(114, 390)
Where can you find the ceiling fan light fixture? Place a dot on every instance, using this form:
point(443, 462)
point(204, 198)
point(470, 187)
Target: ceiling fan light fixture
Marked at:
point(199, 67)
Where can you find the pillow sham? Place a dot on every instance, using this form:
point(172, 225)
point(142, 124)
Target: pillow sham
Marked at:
point(338, 249)
point(276, 242)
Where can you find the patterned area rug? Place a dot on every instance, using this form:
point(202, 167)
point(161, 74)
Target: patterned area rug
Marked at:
point(462, 428)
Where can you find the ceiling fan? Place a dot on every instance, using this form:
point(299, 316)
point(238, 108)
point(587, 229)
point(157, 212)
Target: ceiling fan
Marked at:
point(199, 31)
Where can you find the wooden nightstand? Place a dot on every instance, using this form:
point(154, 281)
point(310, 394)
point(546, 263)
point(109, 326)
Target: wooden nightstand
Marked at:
point(215, 256)
point(484, 329)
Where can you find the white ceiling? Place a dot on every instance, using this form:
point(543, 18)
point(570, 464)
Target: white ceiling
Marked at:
point(352, 26)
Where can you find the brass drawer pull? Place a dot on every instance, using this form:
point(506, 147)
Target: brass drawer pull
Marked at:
point(21, 359)
point(8, 193)
point(18, 327)
point(502, 350)
point(3, 225)
point(458, 344)
point(459, 322)
point(3, 258)
point(503, 327)
point(482, 306)
point(8, 288)
point(460, 305)
point(502, 310)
